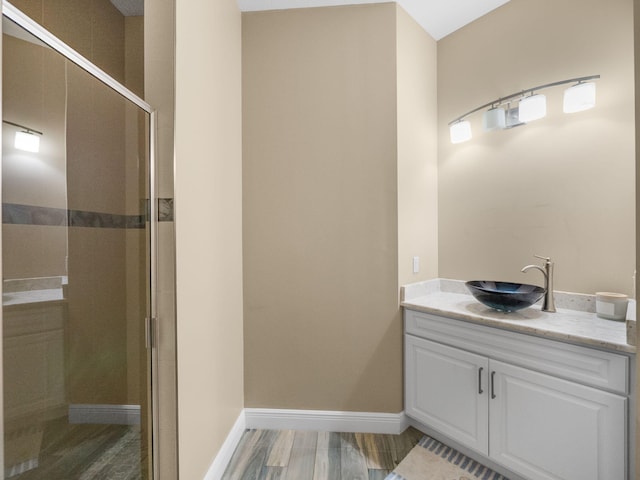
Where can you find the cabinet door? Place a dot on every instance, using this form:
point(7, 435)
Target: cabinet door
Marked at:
point(546, 428)
point(34, 368)
point(446, 388)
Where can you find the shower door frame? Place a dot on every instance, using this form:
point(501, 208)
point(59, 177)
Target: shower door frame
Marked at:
point(35, 29)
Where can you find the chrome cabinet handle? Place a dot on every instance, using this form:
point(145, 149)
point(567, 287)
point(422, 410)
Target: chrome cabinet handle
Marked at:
point(493, 391)
point(480, 391)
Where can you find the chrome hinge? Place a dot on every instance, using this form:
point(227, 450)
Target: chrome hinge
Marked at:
point(150, 326)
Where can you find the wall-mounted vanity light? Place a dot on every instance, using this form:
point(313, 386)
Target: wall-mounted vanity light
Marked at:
point(579, 97)
point(26, 139)
point(494, 119)
point(460, 131)
point(531, 106)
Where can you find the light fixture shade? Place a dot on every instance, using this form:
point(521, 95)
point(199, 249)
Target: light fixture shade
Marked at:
point(460, 131)
point(29, 142)
point(532, 108)
point(579, 97)
point(494, 119)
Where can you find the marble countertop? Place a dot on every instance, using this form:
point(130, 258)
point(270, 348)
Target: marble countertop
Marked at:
point(28, 291)
point(32, 297)
point(575, 320)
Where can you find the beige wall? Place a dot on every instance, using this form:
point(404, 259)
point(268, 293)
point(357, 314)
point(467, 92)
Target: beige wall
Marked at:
point(208, 183)
point(562, 186)
point(322, 326)
point(417, 105)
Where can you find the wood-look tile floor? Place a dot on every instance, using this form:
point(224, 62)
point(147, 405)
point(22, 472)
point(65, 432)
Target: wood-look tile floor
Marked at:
point(302, 455)
point(88, 452)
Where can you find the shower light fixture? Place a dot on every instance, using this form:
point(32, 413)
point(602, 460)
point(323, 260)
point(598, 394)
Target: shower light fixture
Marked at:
point(532, 106)
point(27, 139)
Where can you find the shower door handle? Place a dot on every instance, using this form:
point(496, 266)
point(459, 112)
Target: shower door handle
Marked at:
point(150, 332)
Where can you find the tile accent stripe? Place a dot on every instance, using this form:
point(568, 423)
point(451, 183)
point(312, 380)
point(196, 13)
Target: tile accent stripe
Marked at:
point(165, 209)
point(78, 218)
point(13, 213)
point(18, 214)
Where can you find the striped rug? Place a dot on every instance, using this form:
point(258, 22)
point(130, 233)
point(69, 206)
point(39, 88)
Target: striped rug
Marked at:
point(432, 460)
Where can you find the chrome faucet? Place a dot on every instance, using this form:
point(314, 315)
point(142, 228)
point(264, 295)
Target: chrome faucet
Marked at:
point(548, 305)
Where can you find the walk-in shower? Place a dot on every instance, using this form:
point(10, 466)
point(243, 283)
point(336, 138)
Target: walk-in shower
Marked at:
point(77, 265)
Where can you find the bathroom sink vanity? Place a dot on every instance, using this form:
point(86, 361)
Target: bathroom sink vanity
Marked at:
point(543, 395)
point(34, 330)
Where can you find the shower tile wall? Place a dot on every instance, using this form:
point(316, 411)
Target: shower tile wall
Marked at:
point(34, 251)
point(95, 29)
point(94, 193)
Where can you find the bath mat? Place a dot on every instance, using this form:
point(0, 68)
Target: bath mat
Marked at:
point(432, 460)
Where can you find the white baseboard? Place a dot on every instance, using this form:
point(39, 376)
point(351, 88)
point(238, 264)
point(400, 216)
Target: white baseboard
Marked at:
point(325, 421)
point(318, 420)
point(219, 465)
point(104, 414)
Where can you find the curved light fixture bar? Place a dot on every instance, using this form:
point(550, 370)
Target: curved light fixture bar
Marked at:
point(521, 94)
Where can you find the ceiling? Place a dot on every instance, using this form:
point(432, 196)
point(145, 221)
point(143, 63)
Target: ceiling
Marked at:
point(438, 17)
point(129, 8)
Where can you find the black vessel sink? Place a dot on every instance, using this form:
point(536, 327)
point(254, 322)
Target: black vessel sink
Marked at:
point(505, 296)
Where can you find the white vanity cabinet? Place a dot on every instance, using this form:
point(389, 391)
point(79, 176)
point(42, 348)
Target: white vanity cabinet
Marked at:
point(547, 428)
point(541, 408)
point(445, 388)
point(34, 378)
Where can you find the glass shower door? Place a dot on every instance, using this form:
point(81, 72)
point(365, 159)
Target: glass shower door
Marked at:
point(76, 271)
